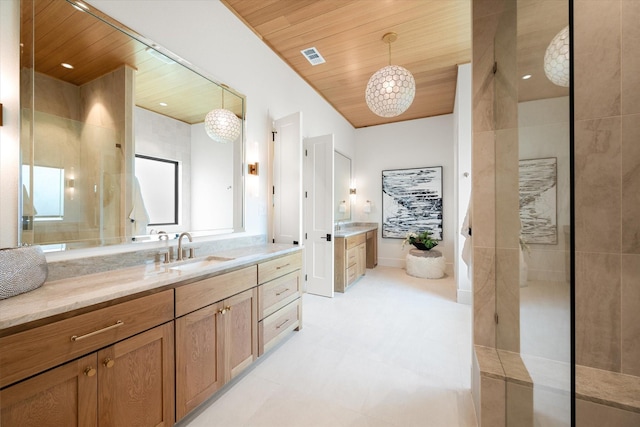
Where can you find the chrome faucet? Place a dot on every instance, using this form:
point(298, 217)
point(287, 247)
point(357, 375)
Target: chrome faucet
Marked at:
point(180, 255)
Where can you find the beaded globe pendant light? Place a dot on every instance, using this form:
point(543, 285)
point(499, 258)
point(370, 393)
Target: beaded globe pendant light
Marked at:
point(556, 59)
point(222, 125)
point(391, 89)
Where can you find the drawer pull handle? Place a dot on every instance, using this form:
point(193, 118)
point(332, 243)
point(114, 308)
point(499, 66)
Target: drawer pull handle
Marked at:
point(108, 362)
point(281, 292)
point(99, 331)
point(224, 310)
point(282, 324)
point(90, 371)
point(283, 266)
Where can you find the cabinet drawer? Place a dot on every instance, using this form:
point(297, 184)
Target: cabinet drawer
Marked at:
point(352, 274)
point(352, 256)
point(32, 351)
point(277, 293)
point(356, 240)
point(208, 291)
point(270, 270)
point(273, 328)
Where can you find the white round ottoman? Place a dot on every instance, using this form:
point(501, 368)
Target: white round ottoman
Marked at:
point(425, 264)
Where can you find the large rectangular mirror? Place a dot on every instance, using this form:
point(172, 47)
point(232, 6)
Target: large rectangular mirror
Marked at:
point(94, 94)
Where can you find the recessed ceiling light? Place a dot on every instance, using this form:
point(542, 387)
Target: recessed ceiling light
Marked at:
point(526, 77)
point(65, 65)
point(163, 104)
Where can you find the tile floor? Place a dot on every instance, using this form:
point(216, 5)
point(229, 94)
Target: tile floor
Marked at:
point(394, 350)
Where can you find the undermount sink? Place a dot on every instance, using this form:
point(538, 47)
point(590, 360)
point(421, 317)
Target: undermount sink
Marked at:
point(200, 263)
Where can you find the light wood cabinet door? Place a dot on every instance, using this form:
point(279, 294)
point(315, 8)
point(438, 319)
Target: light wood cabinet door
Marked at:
point(136, 380)
point(213, 345)
point(199, 357)
point(63, 396)
point(241, 332)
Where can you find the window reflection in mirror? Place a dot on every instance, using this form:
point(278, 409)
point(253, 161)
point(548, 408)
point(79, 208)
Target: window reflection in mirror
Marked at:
point(121, 98)
point(155, 193)
point(342, 183)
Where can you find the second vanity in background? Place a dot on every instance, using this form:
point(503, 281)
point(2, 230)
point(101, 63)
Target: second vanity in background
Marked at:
point(355, 250)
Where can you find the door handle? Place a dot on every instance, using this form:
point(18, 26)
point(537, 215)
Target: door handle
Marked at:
point(328, 237)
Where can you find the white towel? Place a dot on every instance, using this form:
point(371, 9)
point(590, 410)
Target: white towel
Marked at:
point(138, 215)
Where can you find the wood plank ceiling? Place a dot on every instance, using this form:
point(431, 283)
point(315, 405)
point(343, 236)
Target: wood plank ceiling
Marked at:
point(62, 33)
point(434, 36)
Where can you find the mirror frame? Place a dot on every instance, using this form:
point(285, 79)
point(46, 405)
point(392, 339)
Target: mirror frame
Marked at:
point(239, 176)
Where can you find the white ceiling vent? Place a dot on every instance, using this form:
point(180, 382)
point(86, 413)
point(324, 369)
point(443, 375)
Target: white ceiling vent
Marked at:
point(313, 56)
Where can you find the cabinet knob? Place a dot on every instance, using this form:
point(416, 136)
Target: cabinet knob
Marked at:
point(90, 371)
point(108, 362)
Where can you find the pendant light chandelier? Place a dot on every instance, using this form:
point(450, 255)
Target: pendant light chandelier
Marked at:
point(222, 125)
point(391, 89)
point(556, 59)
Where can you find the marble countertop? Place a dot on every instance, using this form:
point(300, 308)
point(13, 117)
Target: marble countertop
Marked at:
point(351, 230)
point(61, 296)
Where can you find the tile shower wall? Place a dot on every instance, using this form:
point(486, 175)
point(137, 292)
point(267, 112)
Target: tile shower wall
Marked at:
point(495, 169)
point(607, 184)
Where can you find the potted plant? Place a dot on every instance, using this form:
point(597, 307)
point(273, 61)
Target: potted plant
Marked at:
point(422, 240)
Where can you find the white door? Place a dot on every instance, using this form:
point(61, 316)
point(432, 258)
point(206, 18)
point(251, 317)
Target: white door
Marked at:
point(287, 180)
point(318, 216)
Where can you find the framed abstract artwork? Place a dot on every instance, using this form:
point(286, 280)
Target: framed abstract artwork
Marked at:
point(538, 187)
point(412, 202)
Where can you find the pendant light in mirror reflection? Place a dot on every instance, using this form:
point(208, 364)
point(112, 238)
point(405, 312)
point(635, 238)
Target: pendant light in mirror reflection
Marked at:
point(391, 89)
point(556, 59)
point(222, 125)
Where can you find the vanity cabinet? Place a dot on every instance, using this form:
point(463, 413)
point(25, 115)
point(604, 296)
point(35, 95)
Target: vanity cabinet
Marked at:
point(128, 382)
point(279, 296)
point(372, 248)
point(149, 360)
point(350, 260)
point(219, 339)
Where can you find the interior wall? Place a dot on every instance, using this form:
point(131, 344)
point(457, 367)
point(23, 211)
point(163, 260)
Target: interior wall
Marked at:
point(462, 166)
point(607, 184)
point(166, 138)
point(410, 144)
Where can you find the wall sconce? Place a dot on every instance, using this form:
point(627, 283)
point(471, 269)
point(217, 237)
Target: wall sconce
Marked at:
point(253, 168)
point(352, 191)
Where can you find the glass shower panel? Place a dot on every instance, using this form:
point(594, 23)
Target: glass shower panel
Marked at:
point(532, 217)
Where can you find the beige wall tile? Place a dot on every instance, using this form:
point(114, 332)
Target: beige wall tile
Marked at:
point(590, 414)
point(483, 81)
point(597, 185)
point(631, 182)
point(483, 189)
point(508, 299)
point(484, 297)
point(597, 58)
point(507, 199)
point(483, 8)
point(506, 76)
point(630, 329)
point(519, 405)
point(493, 406)
point(597, 312)
point(630, 57)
